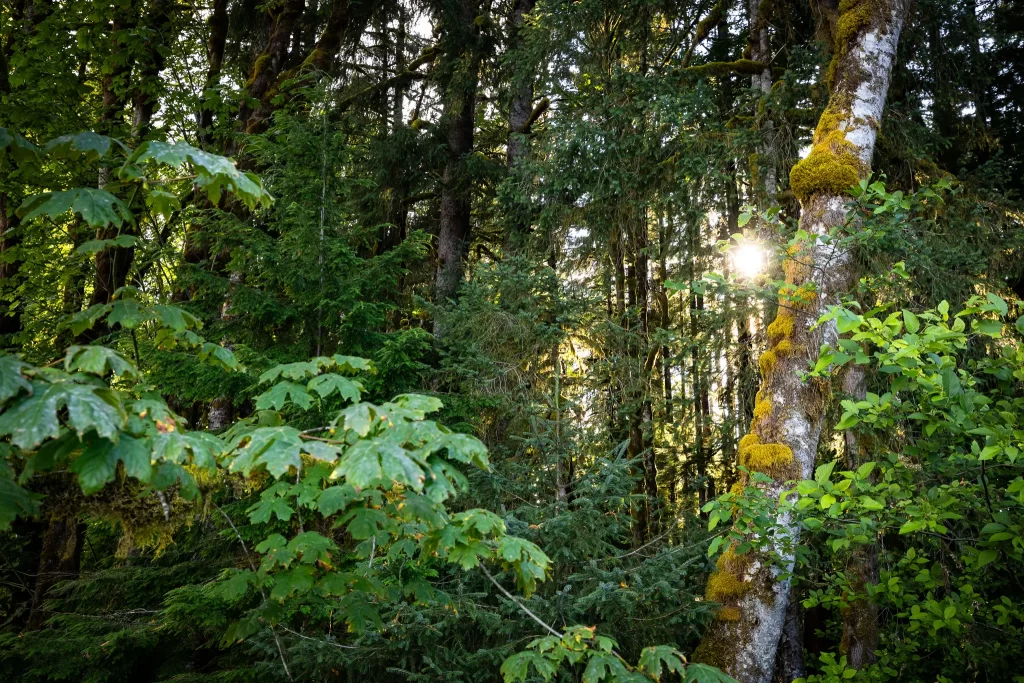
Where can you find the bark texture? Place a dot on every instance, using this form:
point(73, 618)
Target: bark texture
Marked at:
point(784, 434)
point(459, 117)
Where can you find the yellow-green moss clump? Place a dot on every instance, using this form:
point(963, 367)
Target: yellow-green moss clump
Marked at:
point(770, 358)
point(773, 459)
point(832, 167)
point(726, 582)
point(854, 17)
point(762, 409)
point(781, 327)
point(728, 613)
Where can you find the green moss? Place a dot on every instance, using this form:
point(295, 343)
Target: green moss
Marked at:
point(781, 327)
point(773, 459)
point(728, 614)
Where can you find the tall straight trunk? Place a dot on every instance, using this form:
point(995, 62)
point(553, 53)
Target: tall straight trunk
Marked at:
point(520, 118)
point(10, 269)
point(460, 120)
point(784, 440)
point(761, 51)
point(215, 44)
point(112, 263)
point(59, 560)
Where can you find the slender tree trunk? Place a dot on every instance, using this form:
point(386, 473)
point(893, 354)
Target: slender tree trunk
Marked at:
point(784, 439)
point(456, 191)
point(215, 44)
point(10, 269)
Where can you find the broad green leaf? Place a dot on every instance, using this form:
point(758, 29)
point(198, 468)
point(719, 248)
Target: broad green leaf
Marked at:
point(33, 419)
point(987, 557)
point(281, 393)
point(261, 512)
point(870, 503)
point(96, 408)
point(20, 149)
point(911, 322)
point(276, 448)
point(325, 385)
point(236, 583)
point(15, 501)
point(12, 381)
point(92, 146)
point(312, 547)
point(128, 314)
point(95, 466)
point(702, 673)
point(97, 207)
point(336, 498)
point(98, 360)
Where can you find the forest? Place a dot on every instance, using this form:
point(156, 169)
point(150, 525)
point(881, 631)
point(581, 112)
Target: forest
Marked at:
point(512, 341)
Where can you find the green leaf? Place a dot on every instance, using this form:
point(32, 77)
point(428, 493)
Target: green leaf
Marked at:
point(823, 472)
point(15, 501)
point(654, 659)
point(128, 314)
point(358, 418)
point(987, 557)
point(911, 322)
point(90, 145)
point(95, 408)
point(95, 466)
point(325, 385)
point(236, 583)
point(991, 328)
point(261, 512)
point(336, 498)
point(20, 149)
point(276, 448)
point(281, 393)
point(869, 503)
point(702, 673)
point(98, 360)
point(33, 419)
point(312, 547)
point(97, 207)
point(997, 304)
point(352, 363)
point(298, 579)
point(12, 381)
point(214, 173)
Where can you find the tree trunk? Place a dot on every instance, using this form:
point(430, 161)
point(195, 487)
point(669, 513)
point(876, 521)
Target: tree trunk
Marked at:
point(460, 118)
point(218, 23)
point(787, 421)
point(59, 560)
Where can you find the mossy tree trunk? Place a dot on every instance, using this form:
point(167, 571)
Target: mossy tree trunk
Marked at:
point(783, 442)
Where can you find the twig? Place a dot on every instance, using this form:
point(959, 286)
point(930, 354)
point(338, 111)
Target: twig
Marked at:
point(520, 605)
point(252, 565)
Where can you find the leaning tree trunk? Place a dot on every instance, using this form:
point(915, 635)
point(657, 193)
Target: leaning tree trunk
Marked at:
point(787, 421)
